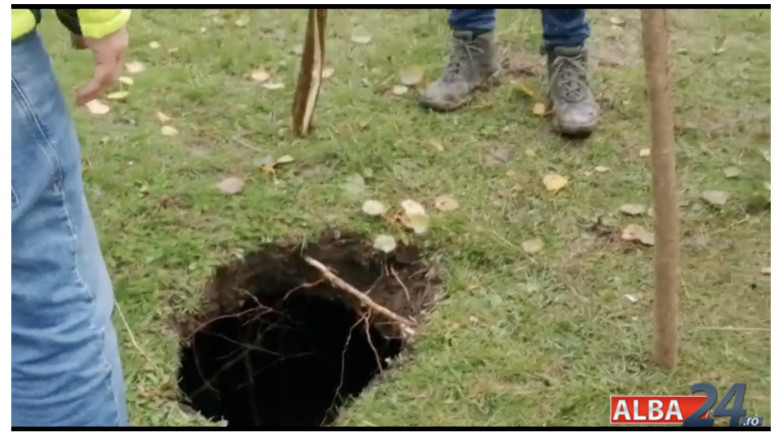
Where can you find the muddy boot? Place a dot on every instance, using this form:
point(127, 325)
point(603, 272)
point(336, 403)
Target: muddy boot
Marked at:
point(576, 110)
point(473, 62)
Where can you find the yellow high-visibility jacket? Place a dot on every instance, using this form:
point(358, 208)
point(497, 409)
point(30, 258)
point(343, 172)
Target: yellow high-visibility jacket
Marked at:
point(91, 23)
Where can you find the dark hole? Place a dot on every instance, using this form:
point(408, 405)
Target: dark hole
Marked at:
point(276, 345)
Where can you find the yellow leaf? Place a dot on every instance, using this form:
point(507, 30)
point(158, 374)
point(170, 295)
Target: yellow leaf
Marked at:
point(555, 182)
point(135, 67)
point(260, 75)
point(540, 109)
point(532, 246)
point(361, 36)
point(118, 96)
point(96, 107)
point(601, 169)
point(766, 271)
point(163, 117)
point(242, 21)
point(167, 130)
point(154, 45)
point(126, 80)
point(436, 145)
point(268, 169)
point(633, 209)
point(412, 75)
point(273, 86)
point(374, 208)
point(528, 92)
point(414, 216)
point(284, 159)
point(617, 21)
point(327, 72)
point(384, 243)
point(644, 152)
point(400, 90)
point(446, 203)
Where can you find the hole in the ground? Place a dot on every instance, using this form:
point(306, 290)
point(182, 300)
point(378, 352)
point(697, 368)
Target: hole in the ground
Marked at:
point(276, 344)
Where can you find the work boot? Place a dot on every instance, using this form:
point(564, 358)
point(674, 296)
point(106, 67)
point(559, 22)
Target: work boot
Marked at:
point(473, 62)
point(575, 108)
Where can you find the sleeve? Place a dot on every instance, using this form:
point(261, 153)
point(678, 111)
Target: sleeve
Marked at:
point(93, 23)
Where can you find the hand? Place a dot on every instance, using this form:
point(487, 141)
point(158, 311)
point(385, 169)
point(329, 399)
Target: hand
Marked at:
point(108, 53)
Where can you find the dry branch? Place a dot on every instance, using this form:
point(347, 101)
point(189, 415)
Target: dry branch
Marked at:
point(406, 324)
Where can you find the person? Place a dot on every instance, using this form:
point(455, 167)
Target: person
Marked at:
point(65, 365)
point(473, 63)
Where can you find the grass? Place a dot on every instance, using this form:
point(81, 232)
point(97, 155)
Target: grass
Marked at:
point(519, 339)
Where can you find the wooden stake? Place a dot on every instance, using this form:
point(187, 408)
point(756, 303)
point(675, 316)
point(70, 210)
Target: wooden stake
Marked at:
point(656, 50)
point(310, 76)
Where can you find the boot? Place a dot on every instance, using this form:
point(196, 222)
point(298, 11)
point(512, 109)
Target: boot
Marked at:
point(473, 62)
point(576, 110)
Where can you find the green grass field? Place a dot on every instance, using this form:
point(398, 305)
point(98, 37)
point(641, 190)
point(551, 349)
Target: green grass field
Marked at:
point(518, 339)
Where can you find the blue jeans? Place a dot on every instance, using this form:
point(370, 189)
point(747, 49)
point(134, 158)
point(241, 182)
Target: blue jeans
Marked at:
point(560, 27)
point(65, 367)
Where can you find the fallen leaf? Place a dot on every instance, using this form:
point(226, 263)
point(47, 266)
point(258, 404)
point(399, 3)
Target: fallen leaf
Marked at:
point(767, 155)
point(126, 80)
point(617, 21)
point(532, 246)
point(154, 45)
point(530, 152)
point(767, 186)
point(374, 208)
point(96, 107)
point(260, 75)
point(765, 271)
point(273, 86)
point(635, 232)
point(355, 185)
point(163, 117)
point(539, 109)
point(633, 299)
point(298, 49)
point(412, 75)
point(714, 197)
point(242, 21)
point(327, 72)
point(446, 203)
point(555, 182)
point(400, 90)
point(633, 209)
point(523, 89)
point(167, 130)
point(173, 50)
point(601, 169)
point(284, 159)
point(231, 185)
point(732, 172)
point(118, 96)
point(436, 145)
point(414, 216)
point(211, 12)
point(135, 67)
point(361, 36)
point(644, 152)
point(384, 243)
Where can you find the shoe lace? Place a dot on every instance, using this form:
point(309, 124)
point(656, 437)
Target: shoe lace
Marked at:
point(461, 54)
point(570, 77)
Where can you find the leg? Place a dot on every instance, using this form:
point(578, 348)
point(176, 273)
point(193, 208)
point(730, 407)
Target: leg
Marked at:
point(473, 60)
point(65, 367)
point(565, 32)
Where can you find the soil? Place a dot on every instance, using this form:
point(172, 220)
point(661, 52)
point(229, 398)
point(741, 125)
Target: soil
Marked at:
point(275, 344)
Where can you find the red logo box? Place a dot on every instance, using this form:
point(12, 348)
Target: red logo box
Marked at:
point(662, 410)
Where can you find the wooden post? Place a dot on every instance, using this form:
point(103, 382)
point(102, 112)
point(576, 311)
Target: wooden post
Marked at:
point(667, 217)
point(310, 76)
